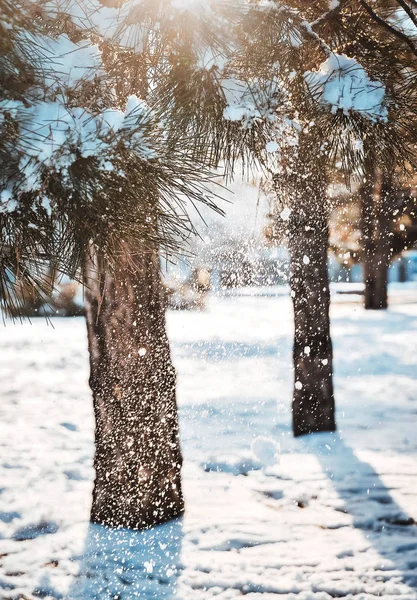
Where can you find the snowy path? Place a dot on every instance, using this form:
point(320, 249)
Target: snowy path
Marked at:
point(334, 519)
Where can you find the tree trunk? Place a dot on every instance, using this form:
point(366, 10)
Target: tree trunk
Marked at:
point(138, 458)
point(376, 239)
point(304, 189)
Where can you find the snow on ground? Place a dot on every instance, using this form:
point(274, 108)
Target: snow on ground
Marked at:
point(330, 516)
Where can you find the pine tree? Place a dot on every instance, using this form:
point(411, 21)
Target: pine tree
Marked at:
point(127, 146)
point(395, 27)
point(340, 87)
point(90, 186)
point(173, 56)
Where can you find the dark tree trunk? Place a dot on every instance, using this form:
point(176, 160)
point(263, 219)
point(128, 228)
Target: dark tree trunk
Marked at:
point(138, 458)
point(375, 198)
point(313, 398)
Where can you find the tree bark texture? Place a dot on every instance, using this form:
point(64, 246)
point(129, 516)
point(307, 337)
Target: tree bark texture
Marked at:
point(304, 189)
point(376, 195)
point(138, 457)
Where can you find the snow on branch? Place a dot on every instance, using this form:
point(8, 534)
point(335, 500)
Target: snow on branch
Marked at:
point(342, 84)
point(54, 135)
point(244, 103)
point(68, 64)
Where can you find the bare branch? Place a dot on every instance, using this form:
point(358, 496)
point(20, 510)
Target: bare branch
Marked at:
point(307, 27)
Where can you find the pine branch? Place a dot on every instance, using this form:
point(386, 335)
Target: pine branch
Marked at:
point(393, 30)
point(305, 26)
point(329, 13)
point(408, 10)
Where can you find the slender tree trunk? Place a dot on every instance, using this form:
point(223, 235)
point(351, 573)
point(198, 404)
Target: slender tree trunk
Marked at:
point(138, 458)
point(375, 199)
point(305, 190)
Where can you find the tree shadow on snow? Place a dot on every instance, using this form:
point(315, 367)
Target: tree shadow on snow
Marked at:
point(386, 526)
point(390, 326)
point(121, 564)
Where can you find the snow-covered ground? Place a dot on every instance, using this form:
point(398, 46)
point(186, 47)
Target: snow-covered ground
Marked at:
point(334, 518)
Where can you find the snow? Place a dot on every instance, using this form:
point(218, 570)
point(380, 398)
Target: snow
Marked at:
point(266, 450)
point(343, 84)
point(7, 203)
point(402, 21)
point(271, 147)
point(332, 518)
point(53, 132)
point(54, 135)
point(285, 213)
point(90, 15)
point(240, 103)
point(67, 64)
point(248, 103)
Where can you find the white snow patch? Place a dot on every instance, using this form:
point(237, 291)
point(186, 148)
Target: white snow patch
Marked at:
point(266, 450)
point(54, 135)
point(285, 214)
point(343, 84)
point(271, 147)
